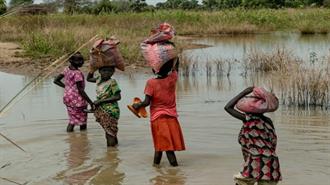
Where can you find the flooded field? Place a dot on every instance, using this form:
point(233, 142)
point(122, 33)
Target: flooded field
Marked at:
point(38, 123)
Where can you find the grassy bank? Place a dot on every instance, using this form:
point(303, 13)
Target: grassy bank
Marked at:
point(51, 36)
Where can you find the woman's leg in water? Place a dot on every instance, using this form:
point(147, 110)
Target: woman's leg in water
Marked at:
point(111, 140)
point(83, 127)
point(171, 158)
point(157, 157)
point(69, 128)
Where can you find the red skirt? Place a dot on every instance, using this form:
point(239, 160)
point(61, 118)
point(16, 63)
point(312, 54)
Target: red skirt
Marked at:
point(167, 134)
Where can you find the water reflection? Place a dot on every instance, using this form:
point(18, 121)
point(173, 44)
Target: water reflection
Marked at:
point(203, 82)
point(77, 172)
point(109, 173)
point(78, 149)
point(169, 176)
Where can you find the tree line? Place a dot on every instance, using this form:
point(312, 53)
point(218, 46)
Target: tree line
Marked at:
point(110, 6)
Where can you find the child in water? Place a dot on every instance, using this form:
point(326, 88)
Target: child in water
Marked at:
point(75, 97)
point(258, 142)
point(107, 110)
point(165, 128)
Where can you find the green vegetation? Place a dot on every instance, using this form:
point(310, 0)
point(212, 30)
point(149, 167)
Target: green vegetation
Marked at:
point(53, 35)
point(3, 7)
point(106, 6)
point(19, 2)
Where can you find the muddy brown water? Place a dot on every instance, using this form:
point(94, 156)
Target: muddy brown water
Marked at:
point(37, 123)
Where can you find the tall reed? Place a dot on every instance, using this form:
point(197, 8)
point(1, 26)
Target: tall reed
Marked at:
point(299, 82)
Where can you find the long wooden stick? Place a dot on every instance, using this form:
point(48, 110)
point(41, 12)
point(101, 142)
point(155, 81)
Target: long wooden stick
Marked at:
point(12, 142)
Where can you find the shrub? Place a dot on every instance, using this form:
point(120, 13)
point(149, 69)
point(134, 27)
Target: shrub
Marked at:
point(3, 7)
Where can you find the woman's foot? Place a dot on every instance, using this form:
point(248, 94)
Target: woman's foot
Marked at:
point(69, 128)
point(83, 127)
point(156, 165)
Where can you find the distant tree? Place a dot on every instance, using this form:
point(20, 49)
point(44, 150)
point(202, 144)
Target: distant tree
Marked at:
point(294, 3)
point(179, 4)
point(121, 5)
point(104, 6)
point(189, 4)
point(317, 2)
point(210, 4)
point(276, 3)
point(19, 2)
point(138, 5)
point(70, 6)
point(76, 6)
point(326, 3)
point(303, 3)
point(173, 4)
point(254, 3)
point(229, 3)
point(86, 7)
point(3, 6)
point(266, 3)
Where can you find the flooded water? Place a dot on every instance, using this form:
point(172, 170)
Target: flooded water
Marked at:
point(236, 47)
point(38, 123)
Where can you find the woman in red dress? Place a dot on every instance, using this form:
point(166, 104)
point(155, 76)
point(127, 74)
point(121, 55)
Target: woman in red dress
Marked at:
point(165, 128)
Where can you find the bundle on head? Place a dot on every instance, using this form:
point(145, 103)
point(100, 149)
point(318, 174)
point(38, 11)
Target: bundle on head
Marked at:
point(157, 49)
point(164, 32)
point(259, 101)
point(106, 53)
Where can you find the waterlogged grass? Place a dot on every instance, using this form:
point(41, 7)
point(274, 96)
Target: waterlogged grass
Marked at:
point(53, 35)
point(299, 82)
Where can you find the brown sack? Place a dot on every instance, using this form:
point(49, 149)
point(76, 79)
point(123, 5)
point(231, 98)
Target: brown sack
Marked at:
point(106, 53)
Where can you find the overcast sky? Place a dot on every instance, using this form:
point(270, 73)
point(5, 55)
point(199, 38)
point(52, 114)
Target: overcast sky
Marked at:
point(151, 2)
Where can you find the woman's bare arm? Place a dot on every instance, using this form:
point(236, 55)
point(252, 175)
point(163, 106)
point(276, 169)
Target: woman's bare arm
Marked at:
point(230, 107)
point(90, 78)
point(58, 81)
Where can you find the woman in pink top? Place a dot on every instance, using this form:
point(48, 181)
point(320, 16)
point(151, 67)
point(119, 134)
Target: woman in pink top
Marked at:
point(75, 97)
point(160, 95)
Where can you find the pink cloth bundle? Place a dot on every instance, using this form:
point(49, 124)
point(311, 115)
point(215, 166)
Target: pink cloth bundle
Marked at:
point(158, 54)
point(157, 49)
point(164, 32)
point(259, 101)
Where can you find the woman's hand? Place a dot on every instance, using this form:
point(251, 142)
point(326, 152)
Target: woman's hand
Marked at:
point(231, 104)
point(97, 102)
point(93, 107)
point(136, 106)
point(248, 90)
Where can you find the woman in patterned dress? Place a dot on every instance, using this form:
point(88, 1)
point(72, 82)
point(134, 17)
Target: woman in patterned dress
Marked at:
point(258, 142)
point(107, 109)
point(75, 97)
